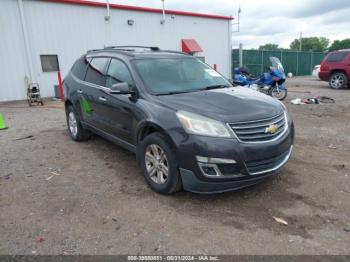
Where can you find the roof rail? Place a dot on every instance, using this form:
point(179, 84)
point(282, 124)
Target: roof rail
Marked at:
point(92, 50)
point(131, 47)
point(175, 52)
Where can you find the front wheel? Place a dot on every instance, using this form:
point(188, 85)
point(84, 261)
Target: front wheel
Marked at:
point(159, 164)
point(278, 93)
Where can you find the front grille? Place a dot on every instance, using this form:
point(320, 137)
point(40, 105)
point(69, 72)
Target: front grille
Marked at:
point(255, 131)
point(262, 166)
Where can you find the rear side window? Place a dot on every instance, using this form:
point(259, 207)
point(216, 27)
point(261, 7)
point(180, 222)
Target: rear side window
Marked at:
point(117, 73)
point(79, 68)
point(337, 57)
point(96, 71)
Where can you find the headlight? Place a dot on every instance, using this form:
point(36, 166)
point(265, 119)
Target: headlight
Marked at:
point(200, 125)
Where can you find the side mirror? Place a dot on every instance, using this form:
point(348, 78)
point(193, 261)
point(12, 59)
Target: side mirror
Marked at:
point(121, 88)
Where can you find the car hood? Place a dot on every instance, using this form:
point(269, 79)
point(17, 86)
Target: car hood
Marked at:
point(228, 105)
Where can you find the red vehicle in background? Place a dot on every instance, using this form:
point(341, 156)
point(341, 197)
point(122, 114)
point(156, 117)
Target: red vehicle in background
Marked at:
point(335, 68)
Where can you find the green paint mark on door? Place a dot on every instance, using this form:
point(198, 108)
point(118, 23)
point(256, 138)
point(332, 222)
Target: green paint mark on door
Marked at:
point(85, 106)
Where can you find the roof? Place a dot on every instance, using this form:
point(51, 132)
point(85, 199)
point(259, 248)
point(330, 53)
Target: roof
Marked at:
point(138, 8)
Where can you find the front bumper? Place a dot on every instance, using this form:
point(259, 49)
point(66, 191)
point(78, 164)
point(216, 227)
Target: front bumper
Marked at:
point(255, 163)
point(193, 184)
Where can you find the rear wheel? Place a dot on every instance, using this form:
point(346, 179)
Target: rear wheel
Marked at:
point(338, 80)
point(75, 129)
point(159, 165)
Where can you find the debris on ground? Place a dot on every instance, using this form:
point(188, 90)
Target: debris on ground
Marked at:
point(339, 166)
point(313, 100)
point(325, 99)
point(53, 174)
point(297, 101)
point(347, 229)
point(280, 220)
point(7, 177)
point(331, 146)
point(40, 239)
point(22, 138)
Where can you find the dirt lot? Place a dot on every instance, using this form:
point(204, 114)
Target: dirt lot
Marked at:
point(99, 203)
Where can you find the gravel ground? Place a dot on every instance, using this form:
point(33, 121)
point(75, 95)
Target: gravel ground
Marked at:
point(62, 197)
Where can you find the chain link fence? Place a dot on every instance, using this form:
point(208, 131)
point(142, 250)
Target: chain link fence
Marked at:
point(298, 63)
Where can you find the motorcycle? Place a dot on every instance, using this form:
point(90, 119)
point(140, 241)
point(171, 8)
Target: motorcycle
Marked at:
point(271, 83)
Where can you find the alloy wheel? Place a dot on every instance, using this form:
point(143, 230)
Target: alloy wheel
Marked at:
point(337, 81)
point(72, 123)
point(156, 164)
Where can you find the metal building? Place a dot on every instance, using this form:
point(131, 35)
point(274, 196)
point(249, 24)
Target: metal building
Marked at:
point(40, 37)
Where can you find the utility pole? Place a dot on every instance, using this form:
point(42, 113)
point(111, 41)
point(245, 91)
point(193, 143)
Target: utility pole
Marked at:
point(240, 55)
point(300, 39)
point(238, 18)
point(162, 21)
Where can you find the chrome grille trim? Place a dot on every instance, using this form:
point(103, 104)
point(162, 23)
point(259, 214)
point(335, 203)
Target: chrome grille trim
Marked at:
point(254, 131)
point(278, 165)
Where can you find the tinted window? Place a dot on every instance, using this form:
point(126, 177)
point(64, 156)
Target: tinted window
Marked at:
point(337, 57)
point(96, 71)
point(79, 68)
point(117, 73)
point(163, 75)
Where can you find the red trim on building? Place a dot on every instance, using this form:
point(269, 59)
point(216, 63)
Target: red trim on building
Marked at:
point(190, 46)
point(138, 8)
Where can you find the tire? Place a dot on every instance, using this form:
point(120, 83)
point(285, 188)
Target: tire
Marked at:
point(159, 182)
point(76, 131)
point(283, 93)
point(338, 80)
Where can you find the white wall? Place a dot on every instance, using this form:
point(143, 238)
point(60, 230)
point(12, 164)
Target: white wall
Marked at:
point(71, 30)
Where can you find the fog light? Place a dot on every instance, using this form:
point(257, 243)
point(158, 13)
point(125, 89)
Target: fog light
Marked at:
point(208, 170)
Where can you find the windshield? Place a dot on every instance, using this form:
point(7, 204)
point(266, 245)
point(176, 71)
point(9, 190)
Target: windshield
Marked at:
point(276, 63)
point(178, 75)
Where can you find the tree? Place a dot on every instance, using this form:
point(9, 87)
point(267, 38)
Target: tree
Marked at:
point(270, 47)
point(340, 44)
point(316, 44)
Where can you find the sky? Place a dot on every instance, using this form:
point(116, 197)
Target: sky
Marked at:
point(269, 21)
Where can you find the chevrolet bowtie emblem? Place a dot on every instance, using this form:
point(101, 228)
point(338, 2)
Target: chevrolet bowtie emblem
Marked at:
point(271, 129)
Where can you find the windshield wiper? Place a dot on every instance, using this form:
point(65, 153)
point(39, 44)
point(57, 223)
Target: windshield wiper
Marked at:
point(194, 90)
point(214, 87)
point(173, 93)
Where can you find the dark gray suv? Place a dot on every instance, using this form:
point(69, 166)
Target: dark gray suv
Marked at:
point(188, 126)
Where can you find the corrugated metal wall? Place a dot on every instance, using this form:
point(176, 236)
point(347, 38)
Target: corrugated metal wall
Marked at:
point(70, 30)
point(299, 63)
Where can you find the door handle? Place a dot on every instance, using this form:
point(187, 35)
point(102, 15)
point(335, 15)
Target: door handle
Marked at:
point(102, 98)
point(80, 91)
